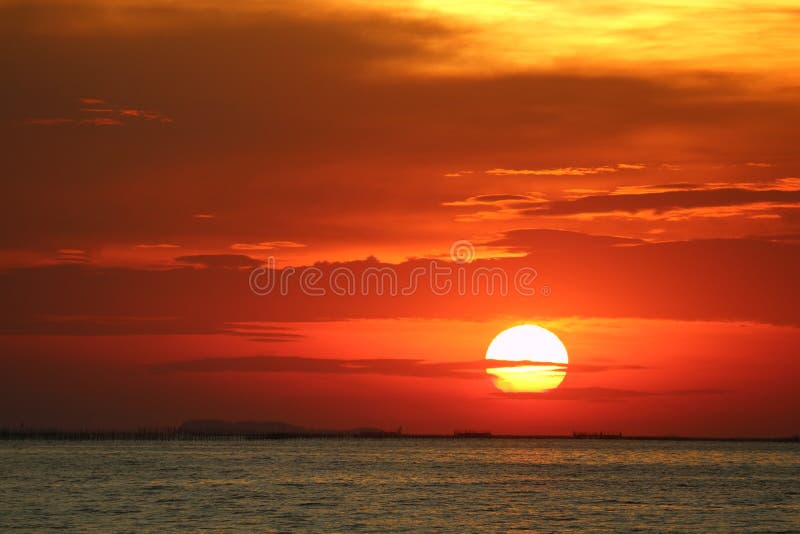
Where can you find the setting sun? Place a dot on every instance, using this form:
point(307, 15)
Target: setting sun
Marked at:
point(528, 343)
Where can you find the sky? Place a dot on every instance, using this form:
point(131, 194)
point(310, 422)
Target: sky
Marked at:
point(637, 163)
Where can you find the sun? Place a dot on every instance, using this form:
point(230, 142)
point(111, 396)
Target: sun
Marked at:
point(528, 343)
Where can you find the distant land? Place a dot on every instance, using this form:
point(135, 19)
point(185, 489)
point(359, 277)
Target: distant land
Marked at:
point(237, 428)
point(200, 429)
point(216, 429)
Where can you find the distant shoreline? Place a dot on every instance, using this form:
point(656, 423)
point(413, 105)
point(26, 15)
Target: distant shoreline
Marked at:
point(172, 435)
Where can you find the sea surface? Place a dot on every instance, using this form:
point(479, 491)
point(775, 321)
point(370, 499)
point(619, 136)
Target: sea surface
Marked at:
point(388, 485)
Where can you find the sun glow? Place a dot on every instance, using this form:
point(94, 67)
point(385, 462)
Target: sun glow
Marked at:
point(528, 343)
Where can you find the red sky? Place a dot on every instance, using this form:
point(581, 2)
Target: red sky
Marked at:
point(642, 159)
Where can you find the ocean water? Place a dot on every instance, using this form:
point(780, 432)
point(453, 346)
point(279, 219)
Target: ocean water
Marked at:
point(341, 485)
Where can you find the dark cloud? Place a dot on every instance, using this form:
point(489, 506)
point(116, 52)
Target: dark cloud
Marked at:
point(786, 238)
point(599, 368)
point(97, 112)
point(279, 364)
point(663, 201)
point(300, 113)
point(113, 325)
point(677, 185)
point(219, 261)
point(692, 280)
point(498, 198)
point(600, 394)
point(378, 366)
point(535, 239)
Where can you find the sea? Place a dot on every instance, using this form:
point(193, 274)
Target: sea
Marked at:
point(400, 485)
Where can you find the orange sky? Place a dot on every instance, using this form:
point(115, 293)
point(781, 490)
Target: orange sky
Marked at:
point(642, 159)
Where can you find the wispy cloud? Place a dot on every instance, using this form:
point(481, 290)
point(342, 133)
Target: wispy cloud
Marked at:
point(668, 201)
point(266, 245)
point(157, 245)
point(473, 369)
point(70, 255)
point(125, 325)
point(499, 199)
point(91, 121)
point(456, 174)
point(219, 261)
point(538, 239)
point(758, 164)
point(631, 166)
point(52, 121)
point(567, 171)
point(98, 112)
point(561, 171)
point(665, 201)
point(709, 271)
point(601, 394)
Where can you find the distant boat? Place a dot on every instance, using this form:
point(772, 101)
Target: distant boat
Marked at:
point(471, 434)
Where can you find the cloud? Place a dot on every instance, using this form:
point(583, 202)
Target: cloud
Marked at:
point(601, 394)
point(499, 200)
point(646, 189)
point(671, 201)
point(70, 256)
point(535, 239)
point(54, 121)
point(89, 325)
point(157, 245)
point(257, 131)
point(778, 184)
point(219, 261)
point(101, 121)
point(143, 114)
point(110, 115)
point(474, 369)
point(566, 171)
point(262, 333)
point(267, 245)
point(60, 121)
point(786, 238)
point(126, 325)
point(663, 201)
point(631, 166)
point(279, 364)
point(588, 276)
point(562, 171)
point(293, 151)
